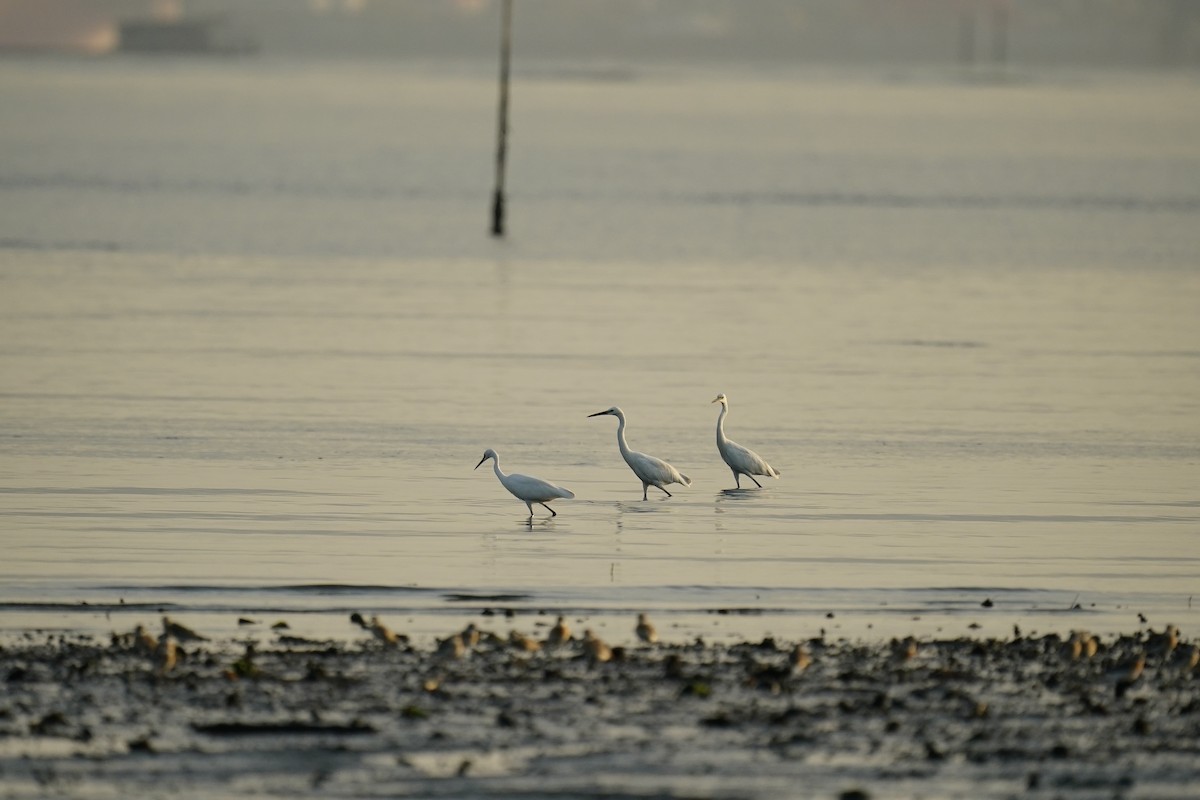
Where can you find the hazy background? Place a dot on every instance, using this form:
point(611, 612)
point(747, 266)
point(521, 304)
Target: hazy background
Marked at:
point(941, 256)
point(1080, 32)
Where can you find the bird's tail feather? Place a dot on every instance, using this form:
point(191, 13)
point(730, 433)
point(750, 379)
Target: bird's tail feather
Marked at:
point(567, 493)
point(686, 480)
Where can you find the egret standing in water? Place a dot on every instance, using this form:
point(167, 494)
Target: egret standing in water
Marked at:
point(526, 487)
point(652, 471)
point(742, 460)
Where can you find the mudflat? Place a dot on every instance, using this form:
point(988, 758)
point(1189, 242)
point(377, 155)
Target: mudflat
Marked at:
point(1057, 716)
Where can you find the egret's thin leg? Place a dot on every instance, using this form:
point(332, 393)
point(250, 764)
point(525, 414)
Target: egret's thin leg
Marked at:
point(548, 508)
point(666, 492)
point(645, 488)
point(737, 477)
point(529, 505)
point(756, 483)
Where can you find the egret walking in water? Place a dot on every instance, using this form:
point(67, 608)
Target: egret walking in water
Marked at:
point(742, 460)
point(526, 487)
point(652, 471)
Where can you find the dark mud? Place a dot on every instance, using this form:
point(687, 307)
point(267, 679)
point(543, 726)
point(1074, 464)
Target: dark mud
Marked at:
point(959, 718)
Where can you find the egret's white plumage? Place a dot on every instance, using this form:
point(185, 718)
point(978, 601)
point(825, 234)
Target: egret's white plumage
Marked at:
point(742, 460)
point(650, 470)
point(526, 487)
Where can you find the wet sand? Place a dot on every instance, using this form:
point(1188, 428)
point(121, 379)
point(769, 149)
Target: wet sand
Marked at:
point(361, 717)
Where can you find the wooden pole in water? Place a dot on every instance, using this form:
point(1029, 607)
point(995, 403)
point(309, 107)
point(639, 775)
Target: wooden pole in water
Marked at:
point(502, 120)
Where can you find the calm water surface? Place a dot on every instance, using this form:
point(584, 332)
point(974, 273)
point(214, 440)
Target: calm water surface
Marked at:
point(253, 339)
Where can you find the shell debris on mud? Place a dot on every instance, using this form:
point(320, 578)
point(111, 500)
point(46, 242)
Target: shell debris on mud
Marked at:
point(965, 717)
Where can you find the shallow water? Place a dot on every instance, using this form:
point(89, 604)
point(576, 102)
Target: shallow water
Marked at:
point(254, 338)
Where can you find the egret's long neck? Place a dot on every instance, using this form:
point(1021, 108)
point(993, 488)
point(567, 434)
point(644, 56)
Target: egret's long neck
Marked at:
point(496, 469)
point(721, 424)
point(621, 443)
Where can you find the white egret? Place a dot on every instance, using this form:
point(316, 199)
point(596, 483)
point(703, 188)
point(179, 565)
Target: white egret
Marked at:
point(650, 470)
point(742, 460)
point(526, 487)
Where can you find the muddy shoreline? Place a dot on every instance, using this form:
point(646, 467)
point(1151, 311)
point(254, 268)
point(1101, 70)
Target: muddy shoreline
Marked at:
point(1116, 716)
